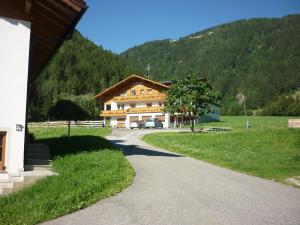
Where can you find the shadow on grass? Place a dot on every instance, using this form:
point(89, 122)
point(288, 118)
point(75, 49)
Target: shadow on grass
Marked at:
point(60, 146)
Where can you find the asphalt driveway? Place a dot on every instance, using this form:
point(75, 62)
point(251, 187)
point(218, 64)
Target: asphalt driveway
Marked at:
point(170, 189)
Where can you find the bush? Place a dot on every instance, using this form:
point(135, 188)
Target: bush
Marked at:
point(283, 106)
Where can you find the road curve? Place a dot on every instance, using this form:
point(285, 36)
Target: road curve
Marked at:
point(170, 189)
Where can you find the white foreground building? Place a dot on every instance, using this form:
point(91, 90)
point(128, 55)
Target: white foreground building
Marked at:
point(31, 31)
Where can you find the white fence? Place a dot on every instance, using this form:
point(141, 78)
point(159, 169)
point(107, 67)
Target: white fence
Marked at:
point(89, 123)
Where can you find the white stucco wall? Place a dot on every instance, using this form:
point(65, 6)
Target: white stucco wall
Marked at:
point(114, 106)
point(113, 121)
point(14, 58)
point(139, 104)
point(167, 120)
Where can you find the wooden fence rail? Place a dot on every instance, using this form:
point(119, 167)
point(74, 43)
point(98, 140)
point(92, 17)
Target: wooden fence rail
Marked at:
point(89, 123)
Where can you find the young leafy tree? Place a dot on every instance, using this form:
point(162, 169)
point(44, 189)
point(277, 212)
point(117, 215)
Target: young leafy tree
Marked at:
point(190, 97)
point(67, 110)
point(174, 105)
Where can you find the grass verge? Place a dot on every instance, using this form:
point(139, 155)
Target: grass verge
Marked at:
point(89, 168)
point(255, 122)
point(272, 153)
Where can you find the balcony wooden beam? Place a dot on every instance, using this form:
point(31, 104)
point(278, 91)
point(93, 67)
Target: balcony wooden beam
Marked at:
point(137, 110)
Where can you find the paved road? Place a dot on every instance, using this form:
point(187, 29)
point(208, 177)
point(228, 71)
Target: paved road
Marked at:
point(173, 190)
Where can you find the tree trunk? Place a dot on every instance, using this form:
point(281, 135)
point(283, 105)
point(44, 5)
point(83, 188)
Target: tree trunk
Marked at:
point(192, 124)
point(69, 128)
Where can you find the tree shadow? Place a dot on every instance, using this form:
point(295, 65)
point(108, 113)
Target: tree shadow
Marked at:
point(137, 150)
point(61, 146)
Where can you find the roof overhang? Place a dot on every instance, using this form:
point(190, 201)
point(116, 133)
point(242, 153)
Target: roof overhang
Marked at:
point(52, 22)
point(131, 79)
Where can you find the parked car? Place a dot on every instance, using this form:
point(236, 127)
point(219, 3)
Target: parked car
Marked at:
point(153, 123)
point(137, 124)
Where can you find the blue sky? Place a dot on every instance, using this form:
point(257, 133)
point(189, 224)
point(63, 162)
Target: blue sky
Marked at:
point(121, 24)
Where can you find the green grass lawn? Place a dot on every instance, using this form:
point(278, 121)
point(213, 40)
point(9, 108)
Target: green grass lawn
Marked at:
point(89, 169)
point(268, 153)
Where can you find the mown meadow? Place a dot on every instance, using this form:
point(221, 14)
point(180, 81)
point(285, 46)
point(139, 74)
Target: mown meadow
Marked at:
point(89, 169)
point(267, 149)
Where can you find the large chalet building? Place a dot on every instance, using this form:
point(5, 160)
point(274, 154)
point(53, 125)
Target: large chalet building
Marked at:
point(134, 98)
point(137, 98)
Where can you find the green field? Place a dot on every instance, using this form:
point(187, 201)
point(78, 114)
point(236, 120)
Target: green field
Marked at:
point(255, 122)
point(271, 152)
point(89, 169)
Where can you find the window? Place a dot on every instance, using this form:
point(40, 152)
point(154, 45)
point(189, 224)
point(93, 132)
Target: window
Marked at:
point(142, 91)
point(149, 104)
point(120, 106)
point(123, 94)
point(149, 91)
point(160, 103)
point(133, 92)
point(108, 107)
point(132, 105)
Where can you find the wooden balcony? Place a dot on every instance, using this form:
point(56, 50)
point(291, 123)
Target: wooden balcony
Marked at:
point(132, 110)
point(146, 109)
point(113, 113)
point(130, 98)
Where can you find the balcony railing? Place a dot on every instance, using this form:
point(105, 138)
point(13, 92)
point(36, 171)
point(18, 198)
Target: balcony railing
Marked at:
point(146, 109)
point(113, 113)
point(160, 97)
point(132, 110)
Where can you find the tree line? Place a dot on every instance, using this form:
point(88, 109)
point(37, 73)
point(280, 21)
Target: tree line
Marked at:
point(78, 71)
point(259, 58)
point(283, 106)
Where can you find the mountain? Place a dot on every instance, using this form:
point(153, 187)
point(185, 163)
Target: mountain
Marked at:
point(78, 71)
point(259, 58)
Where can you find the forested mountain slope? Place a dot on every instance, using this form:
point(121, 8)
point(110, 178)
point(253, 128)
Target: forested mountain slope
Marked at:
point(259, 58)
point(78, 71)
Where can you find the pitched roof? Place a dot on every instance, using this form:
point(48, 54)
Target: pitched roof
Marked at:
point(52, 22)
point(127, 80)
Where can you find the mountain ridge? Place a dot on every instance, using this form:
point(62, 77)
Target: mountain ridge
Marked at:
point(257, 57)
